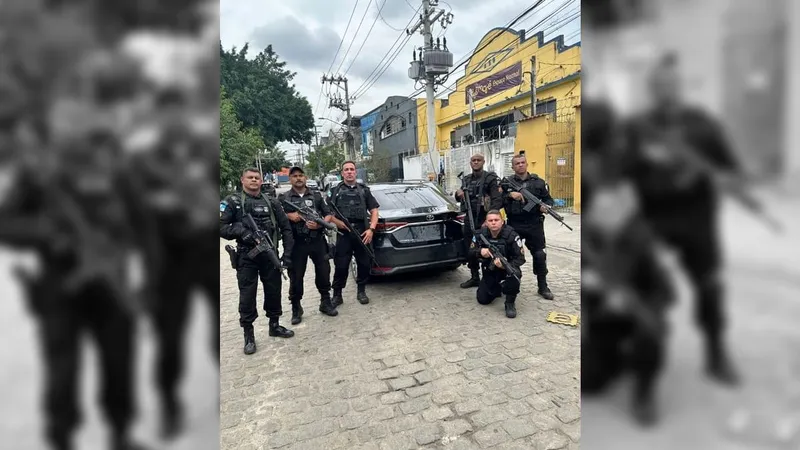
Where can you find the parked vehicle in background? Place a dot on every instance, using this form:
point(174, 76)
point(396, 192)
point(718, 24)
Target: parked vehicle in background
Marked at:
point(269, 188)
point(312, 184)
point(419, 228)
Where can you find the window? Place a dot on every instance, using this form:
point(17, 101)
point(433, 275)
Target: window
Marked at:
point(393, 125)
point(546, 107)
point(409, 118)
point(409, 197)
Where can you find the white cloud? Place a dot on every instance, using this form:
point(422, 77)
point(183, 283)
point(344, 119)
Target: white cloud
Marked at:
point(306, 34)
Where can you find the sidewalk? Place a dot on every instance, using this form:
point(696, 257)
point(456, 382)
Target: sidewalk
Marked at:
point(558, 236)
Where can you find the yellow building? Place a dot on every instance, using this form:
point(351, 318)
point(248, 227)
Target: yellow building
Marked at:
point(498, 79)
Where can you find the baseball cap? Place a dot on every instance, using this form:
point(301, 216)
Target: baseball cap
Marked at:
point(296, 169)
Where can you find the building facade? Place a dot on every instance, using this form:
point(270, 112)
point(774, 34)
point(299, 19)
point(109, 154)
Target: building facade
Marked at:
point(496, 90)
point(389, 132)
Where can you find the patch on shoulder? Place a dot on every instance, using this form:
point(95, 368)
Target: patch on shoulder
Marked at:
point(518, 241)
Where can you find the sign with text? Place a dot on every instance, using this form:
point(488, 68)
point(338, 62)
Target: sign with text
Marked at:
point(500, 81)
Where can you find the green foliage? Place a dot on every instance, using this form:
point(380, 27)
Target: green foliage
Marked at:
point(325, 159)
point(238, 146)
point(263, 97)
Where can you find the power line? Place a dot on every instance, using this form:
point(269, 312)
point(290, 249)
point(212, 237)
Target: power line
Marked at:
point(354, 37)
point(341, 41)
point(365, 38)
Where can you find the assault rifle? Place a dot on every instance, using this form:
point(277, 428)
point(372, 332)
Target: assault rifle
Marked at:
point(310, 215)
point(264, 244)
point(354, 233)
point(495, 254)
point(469, 204)
point(533, 201)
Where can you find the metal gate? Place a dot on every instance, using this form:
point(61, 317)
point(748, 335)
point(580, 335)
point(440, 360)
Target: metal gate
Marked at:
point(560, 161)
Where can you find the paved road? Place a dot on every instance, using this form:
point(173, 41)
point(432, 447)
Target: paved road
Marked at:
point(763, 285)
point(21, 378)
point(421, 366)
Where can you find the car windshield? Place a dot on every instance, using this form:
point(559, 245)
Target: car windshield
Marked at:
point(409, 197)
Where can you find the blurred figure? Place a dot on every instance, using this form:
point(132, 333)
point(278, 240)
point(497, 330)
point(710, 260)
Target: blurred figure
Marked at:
point(668, 146)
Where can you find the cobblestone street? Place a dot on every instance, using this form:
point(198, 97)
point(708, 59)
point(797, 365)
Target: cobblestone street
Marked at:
point(423, 365)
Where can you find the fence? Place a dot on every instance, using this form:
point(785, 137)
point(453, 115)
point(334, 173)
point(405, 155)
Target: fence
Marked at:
point(560, 161)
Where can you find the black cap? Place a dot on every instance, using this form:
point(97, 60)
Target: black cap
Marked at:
point(296, 169)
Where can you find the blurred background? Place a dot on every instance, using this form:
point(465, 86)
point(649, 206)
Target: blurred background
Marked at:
point(111, 98)
point(737, 61)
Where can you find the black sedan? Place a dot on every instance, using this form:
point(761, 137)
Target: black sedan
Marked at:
point(419, 228)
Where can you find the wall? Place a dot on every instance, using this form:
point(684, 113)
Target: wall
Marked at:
point(557, 76)
point(402, 142)
point(577, 188)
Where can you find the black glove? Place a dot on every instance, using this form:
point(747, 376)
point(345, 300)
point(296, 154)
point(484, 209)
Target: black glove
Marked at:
point(249, 238)
point(286, 261)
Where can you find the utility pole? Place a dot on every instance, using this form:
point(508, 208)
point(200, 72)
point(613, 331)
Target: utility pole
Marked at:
point(344, 105)
point(434, 62)
point(533, 86)
point(316, 151)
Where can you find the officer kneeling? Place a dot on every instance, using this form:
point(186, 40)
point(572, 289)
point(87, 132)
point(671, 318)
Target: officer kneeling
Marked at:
point(500, 251)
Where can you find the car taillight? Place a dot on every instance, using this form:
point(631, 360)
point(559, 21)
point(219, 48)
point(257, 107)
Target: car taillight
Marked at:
point(389, 226)
point(461, 217)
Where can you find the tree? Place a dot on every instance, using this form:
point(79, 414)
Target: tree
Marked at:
point(379, 166)
point(324, 159)
point(273, 159)
point(260, 91)
point(238, 146)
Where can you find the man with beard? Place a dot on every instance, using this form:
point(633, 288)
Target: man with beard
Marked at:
point(480, 185)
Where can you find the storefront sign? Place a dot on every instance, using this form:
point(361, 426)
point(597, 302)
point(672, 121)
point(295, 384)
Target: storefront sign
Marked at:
point(500, 81)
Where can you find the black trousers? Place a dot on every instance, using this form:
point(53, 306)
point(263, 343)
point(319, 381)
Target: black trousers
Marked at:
point(493, 284)
point(472, 260)
point(346, 247)
point(699, 249)
point(63, 321)
point(533, 234)
point(316, 249)
point(186, 270)
point(248, 274)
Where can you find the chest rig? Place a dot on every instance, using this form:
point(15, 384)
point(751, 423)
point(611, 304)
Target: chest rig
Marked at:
point(352, 203)
point(308, 200)
point(261, 210)
point(532, 184)
point(499, 242)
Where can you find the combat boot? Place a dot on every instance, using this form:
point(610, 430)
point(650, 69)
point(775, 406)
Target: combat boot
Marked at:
point(544, 291)
point(122, 441)
point(718, 365)
point(337, 298)
point(326, 307)
point(297, 312)
point(172, 418)
point(249, 341)
point(275, 330)
point(361, 296)
point(474, 280)
point(644, 410)
point(511, 310)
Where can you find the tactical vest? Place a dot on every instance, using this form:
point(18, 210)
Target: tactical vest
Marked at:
point(499, 242)
point(264, 216)
point(352, 203)
point(308, 201)
point(515, 212)
point(475, 187)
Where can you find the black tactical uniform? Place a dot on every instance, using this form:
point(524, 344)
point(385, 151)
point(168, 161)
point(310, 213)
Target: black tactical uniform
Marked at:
point(682, 208)
point(270, 218)
point(35, 218)
point(631, 335)
point(353, 202)
point(495, 280)
point(309, 243)
point(530, 225)
point(479, 186)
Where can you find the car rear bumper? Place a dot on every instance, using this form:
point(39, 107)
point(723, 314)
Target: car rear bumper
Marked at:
point(432, 265)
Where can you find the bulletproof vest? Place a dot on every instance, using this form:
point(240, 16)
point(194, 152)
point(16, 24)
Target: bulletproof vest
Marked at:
point(351, 203)
point(307, 201)
point(261, 210)
point(475, 188)
point(499, 242)
point(530, 184)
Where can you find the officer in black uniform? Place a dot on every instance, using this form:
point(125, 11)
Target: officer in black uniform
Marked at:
point(495, 278)
point(529, 225)
point(270, 218)
point(73, 291)
point(479, 184)
point(353, 200)
point(680, 202)
point(309, 241)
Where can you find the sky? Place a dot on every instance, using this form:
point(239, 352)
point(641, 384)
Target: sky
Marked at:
point(306, 34)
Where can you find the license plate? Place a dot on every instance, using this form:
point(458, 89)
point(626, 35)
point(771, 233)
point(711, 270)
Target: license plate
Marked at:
point(420, 233)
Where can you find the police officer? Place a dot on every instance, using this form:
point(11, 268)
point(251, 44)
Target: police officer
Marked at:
point(353, 200)
point(479, 184)
point(495, 278)
point(309, 241)
point(681, 203)
point(270, 218)
point(70, 295)
point(529, 225)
